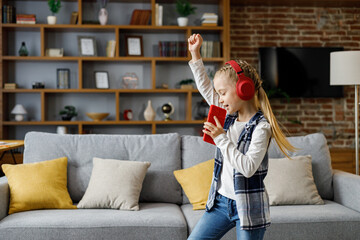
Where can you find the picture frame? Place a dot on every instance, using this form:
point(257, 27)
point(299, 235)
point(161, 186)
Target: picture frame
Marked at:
point(134, 46)
point(101, 79)
point(87, 46)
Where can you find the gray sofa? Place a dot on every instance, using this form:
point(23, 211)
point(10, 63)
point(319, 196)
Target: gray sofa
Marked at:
point(165, 212)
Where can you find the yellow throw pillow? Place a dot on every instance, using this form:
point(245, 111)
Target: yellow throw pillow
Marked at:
point(196, 182)
point(41, 185)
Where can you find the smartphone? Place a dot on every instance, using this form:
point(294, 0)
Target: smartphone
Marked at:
point(220, 113)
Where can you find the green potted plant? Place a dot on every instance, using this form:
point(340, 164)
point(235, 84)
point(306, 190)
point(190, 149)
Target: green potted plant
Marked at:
point(54, 6)
point(186, 83)
point(184, 8)
point(68, 113)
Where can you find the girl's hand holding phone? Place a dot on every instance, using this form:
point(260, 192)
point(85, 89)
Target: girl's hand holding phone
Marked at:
point(212, 130)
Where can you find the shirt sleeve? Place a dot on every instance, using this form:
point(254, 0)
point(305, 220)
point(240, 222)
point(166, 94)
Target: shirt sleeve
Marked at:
point(247, 164)
point(203, 83)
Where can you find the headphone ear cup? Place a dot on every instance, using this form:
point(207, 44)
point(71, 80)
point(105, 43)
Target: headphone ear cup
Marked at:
point(245, 88)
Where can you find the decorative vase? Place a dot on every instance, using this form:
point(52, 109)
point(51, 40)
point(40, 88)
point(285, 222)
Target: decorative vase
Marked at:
point(61, 130)
point(149, 113)
point(130, 81)
point(51, 20)
point(23, 50)
point(182, 21)
point(103, 16)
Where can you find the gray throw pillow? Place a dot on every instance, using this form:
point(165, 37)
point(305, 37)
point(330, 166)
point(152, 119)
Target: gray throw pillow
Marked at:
point(114, 184)
point(291, 181)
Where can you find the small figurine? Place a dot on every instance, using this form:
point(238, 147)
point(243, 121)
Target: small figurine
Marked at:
point(168, 110)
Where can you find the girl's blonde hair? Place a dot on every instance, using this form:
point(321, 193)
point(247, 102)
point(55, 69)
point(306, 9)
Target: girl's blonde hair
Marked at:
point(261, 102)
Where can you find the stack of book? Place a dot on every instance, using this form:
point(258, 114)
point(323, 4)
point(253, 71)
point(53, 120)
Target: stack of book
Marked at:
point(209, 19)
point(8, 14)
point(158, 15)
point(172, 49)
point(25, 18)
point(10, 86)
point(210, 49)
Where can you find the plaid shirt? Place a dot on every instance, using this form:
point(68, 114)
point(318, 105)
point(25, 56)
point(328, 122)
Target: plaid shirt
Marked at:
point(252, 201)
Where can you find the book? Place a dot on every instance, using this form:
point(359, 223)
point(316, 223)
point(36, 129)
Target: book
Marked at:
point(8, 14)
point(210, 49)
point(209, 19)
point(25, 18)
point(158, 15)
point(172, 49)
point(140, 17)
point(110, 48)
point(74, 18)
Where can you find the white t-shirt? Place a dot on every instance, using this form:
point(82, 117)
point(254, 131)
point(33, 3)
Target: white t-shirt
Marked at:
point(226, 183)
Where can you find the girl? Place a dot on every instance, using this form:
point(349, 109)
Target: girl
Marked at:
point(237, 196)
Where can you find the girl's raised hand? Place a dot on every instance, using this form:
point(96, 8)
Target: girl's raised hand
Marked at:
point(195, 42)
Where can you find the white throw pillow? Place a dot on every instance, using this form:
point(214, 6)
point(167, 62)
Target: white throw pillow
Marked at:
point(114, 184)
point(291, 182)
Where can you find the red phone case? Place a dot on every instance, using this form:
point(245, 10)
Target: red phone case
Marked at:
point(220, 113)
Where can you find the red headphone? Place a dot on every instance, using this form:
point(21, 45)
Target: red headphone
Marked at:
point(245, 87)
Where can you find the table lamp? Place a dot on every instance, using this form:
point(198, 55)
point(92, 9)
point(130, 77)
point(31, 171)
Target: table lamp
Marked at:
point(19, 112)
point(345, 70)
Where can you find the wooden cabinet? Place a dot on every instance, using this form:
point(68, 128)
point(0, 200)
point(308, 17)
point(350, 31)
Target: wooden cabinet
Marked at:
point(43, 105)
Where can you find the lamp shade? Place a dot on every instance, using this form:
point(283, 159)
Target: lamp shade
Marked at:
point(345, 68)
point(18, 109)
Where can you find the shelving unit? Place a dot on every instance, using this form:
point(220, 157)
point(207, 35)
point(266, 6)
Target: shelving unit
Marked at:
point(44, 104)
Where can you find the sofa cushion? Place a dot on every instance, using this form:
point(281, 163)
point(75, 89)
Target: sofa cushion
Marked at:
point(38, 185)
point(162, 150)
point(196, 182)
point(194, 151)
point(320, 222)
point(114, 184)
point(291, 181)
point(316, 146)
point(328, 221)
point(152, 221)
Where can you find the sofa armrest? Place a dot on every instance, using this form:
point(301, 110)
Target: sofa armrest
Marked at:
point(347, 189)
point(4, 197)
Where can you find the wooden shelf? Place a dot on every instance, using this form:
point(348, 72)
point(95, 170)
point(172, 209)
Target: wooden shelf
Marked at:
point(134, 59)
point(155, 70)
point(122, 122)
point(100, 91)
point(69, 27)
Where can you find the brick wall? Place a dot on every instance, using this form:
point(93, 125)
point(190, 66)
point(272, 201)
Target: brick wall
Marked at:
point(254, 27)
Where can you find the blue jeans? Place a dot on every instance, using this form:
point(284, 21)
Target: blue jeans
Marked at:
point(220, 219)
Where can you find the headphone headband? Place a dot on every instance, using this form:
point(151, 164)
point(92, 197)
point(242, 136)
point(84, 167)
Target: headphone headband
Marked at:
point(235, 66)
